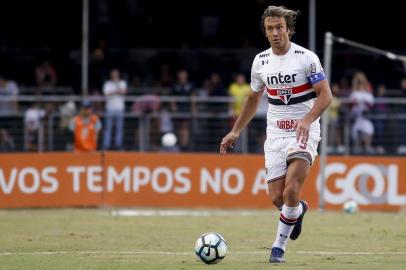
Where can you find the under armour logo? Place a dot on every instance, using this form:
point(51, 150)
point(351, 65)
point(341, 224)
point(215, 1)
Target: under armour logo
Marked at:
point(264, 61)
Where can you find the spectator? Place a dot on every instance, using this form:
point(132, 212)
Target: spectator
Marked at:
point(217, 89)
point(45, 75)
point(362, 101)
point(361, 82)
point(382, 124)
point(184, 88)
point(381, 107)
point(202, 93)
point(85, 127)
point(33, 126)
point(145, 104)
point(165, 127)
point(165, 120)
point(238, 90)
point(217, 124)
point(67, 111)
point(6, 141)
point(334, 131)
point(114, 90)
point(8, 89)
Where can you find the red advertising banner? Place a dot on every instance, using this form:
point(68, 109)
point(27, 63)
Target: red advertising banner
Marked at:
point(187, 180)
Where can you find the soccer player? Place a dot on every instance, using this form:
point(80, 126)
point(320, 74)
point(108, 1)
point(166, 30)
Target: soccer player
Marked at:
point(298, 93)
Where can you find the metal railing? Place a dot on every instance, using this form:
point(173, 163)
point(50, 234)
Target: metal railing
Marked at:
point(204, 128)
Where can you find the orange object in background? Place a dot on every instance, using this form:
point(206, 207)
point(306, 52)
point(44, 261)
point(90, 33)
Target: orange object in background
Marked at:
point(187, 180)
point(85, 133)
point(49, 180)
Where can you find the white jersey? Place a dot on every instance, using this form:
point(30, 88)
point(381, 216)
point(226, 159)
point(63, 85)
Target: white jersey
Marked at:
point(114, 101)
point(288, 80)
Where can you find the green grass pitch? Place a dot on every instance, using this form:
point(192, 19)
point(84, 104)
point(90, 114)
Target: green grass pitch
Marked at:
point(96, 239)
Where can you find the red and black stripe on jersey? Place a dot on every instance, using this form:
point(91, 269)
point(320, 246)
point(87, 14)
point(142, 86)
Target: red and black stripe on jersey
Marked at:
point(293, 91)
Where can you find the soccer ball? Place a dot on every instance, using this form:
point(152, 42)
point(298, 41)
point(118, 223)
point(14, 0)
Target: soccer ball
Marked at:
point(169, 140)
point(350, 207)
point(211, 248)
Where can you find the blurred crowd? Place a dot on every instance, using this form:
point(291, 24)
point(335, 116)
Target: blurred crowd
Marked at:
point(85, 120)
point(374, 130)
point(96, 125)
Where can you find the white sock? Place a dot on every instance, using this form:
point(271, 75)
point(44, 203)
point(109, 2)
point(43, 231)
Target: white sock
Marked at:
point(288, 218)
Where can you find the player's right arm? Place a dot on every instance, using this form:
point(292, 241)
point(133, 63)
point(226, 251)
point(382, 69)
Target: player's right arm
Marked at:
point(248, 110)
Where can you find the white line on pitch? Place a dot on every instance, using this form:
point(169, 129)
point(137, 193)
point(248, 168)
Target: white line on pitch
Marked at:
point(183, 213)
point(190, 253)
point(352, 252)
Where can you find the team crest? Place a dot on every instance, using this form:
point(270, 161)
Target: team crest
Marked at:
point(284, 95)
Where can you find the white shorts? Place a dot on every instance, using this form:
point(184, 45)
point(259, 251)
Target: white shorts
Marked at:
point(278, 152)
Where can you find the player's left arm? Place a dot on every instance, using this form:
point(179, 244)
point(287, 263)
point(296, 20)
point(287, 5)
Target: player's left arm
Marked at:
point(324, 97)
